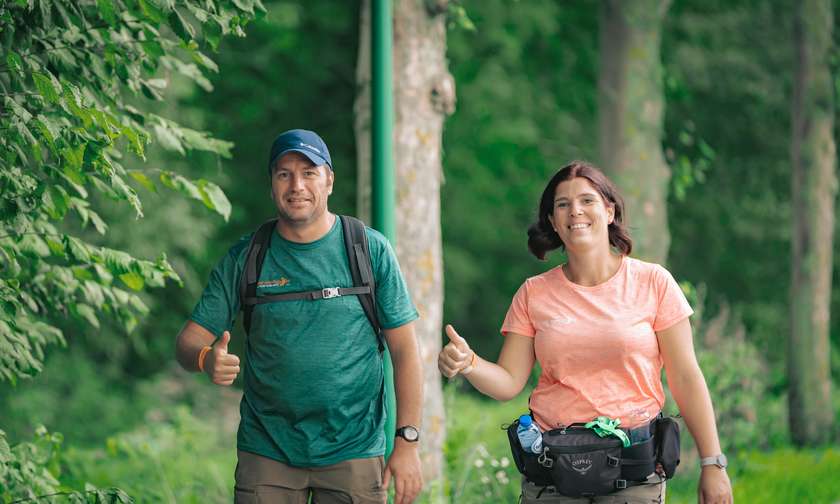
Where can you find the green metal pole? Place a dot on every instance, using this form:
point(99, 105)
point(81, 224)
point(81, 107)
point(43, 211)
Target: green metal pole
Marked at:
point(382, 149)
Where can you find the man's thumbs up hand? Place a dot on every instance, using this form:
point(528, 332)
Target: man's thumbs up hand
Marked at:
point(220, 366)
point(456, 356)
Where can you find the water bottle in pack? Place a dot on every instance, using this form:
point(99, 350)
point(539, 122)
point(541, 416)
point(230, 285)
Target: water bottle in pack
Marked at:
point(530, 436)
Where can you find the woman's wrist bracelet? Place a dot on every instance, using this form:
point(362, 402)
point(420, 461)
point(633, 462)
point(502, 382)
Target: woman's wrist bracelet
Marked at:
point(471, 366)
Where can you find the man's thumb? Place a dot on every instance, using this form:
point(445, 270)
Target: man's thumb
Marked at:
point(223, 342)
point(454, 337)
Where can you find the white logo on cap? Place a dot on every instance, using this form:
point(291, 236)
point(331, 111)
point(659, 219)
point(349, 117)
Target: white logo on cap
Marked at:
point(311, 147)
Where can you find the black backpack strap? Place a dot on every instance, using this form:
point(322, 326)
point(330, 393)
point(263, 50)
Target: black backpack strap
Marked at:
point(313, 295)
point(257, 248)
point(358, 254)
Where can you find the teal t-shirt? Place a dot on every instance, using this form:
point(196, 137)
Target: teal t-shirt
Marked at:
point(313, 383)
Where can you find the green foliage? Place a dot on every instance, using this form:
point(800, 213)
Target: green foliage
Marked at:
point(749, 413)
point(73, 71)
point(29, 471)
point(73, 76)
point(156, 463)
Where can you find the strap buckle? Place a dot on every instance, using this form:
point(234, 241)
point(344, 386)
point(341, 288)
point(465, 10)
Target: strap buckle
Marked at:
point(330, 292)
point(544, 460)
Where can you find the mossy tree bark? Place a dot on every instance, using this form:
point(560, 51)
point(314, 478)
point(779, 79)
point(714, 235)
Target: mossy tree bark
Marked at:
point(814, 188)
point(424, 94)
point(631, 108)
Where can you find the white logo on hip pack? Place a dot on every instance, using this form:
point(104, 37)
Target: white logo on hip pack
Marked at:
point(582, 465)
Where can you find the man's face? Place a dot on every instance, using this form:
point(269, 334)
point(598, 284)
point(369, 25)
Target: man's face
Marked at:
point(300, 189)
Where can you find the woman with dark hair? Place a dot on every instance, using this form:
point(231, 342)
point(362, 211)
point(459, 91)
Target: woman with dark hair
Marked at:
point(602, 326)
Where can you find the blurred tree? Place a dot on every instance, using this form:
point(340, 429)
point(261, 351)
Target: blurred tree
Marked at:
point(813, 189)
point(424, 94)
point(728, 84)
point(631, 110)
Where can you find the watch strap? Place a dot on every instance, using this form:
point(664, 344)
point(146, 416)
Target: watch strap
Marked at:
point(717, 460)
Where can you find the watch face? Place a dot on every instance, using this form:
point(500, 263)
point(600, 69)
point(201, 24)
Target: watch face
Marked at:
point(721, 461)
point(409, 433)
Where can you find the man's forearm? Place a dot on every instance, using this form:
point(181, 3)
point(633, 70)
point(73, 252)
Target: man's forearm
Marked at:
point(189, 343)
point(408, 384)
point(408, 375)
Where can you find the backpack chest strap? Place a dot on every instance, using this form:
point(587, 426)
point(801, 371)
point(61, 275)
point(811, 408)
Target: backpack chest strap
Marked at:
point(313, 295)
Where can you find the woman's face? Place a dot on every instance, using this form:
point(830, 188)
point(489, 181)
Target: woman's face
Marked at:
point(581, 216)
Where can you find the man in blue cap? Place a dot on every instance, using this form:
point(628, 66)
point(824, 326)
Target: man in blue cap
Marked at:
point(312, 412)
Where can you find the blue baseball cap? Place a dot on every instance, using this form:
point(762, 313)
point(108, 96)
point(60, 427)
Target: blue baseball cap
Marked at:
point(306, 142)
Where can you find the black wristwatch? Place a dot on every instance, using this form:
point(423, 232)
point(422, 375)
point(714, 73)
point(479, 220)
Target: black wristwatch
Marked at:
point(409, 433)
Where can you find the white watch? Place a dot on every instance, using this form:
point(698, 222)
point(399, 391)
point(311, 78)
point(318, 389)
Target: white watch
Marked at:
point(718, 460)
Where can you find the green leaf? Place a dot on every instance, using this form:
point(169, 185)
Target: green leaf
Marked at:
point(132, 280)
point(204, 61)
point(56, 202)
point(135, 141)
point(117, 261)
point(213, 33)
point(78, 249)
point(14, 63)
point(34, 245)
point(106, 10)
point(49, 131)
point(177, 182)
point(83, 273)
point(86, 312)
point(56, 247)
point(198, 140)
point(245, 5)
point(150, 92)
point(157, 83)
point(153, 49)
point(138, 305)
point(214, 198)
point(75, 158)
point(97, 222)
point(143, 180)
point(168, 139)
point(46, 88)
point(180, 26)
point(152, 11)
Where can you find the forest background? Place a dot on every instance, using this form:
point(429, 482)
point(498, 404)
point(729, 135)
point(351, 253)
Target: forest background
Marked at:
point(526, 78)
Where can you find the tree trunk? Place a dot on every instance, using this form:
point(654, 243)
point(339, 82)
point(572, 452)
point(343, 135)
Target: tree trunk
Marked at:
point(631, 109)
point(424, 94)
point(814, 186)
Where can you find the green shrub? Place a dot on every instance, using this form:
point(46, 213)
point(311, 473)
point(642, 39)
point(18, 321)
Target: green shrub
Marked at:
point(30, 471)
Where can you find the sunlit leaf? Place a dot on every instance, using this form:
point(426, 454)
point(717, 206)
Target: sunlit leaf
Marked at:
point(143, 180)
point(132, 280)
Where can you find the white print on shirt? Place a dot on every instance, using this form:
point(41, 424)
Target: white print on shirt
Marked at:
point(560, 321)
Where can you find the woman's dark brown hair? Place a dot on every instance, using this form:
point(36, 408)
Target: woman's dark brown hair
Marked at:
point(541, 235)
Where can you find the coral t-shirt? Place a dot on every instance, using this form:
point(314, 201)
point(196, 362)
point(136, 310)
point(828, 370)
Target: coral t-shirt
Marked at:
point(597, 345)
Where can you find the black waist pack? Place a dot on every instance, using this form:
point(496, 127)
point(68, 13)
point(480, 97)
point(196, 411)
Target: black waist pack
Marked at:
point(667, 435)
point(579, 463)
